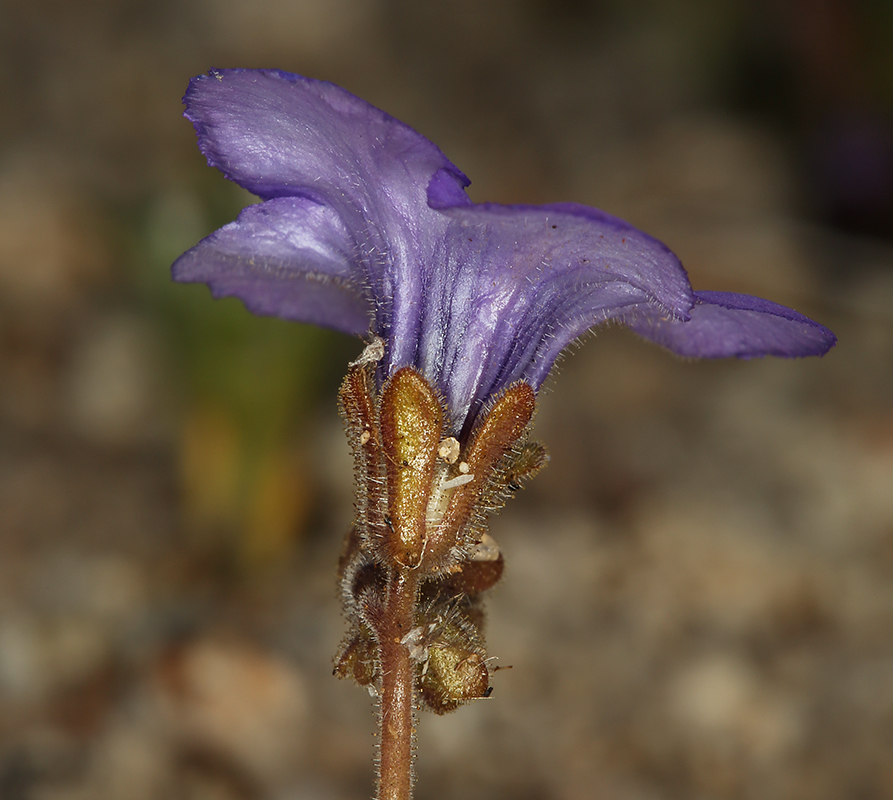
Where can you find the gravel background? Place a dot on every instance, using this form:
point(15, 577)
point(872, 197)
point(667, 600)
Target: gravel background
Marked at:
point(698, 600)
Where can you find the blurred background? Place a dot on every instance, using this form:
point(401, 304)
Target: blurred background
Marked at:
point(698, 600)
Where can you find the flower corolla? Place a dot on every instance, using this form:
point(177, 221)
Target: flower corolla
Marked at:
point(365, 226)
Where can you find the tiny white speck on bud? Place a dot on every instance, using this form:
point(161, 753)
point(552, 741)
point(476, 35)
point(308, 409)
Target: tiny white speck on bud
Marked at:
point(372, 353)
point(448, 450)
point(415, 641)
point(485, 550)
point(464, 468)
point(459, 480)
point(365, 436)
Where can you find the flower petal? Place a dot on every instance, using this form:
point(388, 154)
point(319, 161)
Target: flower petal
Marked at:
point(516, 284)
point(290, 257)
point(278, 134)
point(724, 324)
point(365, 218)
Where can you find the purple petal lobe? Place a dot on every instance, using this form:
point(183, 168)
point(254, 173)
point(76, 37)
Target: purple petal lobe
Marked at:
point(289, 257)
point(447, 189)
point(514, 285)
point(278, 134)
point(724, 324)
point(282, 135)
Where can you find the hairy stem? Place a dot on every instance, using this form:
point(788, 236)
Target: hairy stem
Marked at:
point(397, 734)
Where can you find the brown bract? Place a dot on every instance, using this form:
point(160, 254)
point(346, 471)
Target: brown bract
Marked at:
point(492, 439)
point(356, 400)
point(411, 420)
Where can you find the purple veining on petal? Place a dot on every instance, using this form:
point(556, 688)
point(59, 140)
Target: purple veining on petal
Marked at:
point(519, 283)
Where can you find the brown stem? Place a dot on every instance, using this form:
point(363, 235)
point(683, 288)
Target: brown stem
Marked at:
point(397, 734)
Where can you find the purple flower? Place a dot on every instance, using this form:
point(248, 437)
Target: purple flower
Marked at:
point(365, 225)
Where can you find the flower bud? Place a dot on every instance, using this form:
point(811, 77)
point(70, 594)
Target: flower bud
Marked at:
point(357, 659)
point(358, 408)
point(411, 419)
point(497, 432)
point(454, 669)
point(479, 572)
